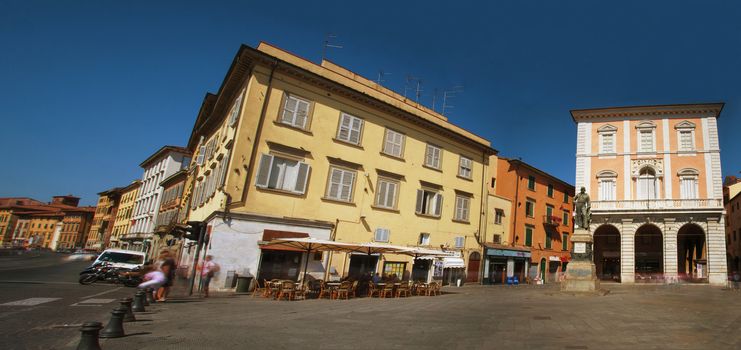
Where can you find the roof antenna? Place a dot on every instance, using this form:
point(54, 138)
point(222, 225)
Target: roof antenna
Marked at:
point(327, 44)
point(381, 74)
point(417, 90)
point(448, 95)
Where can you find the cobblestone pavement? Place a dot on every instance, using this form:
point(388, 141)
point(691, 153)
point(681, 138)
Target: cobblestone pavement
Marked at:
point(478, 317)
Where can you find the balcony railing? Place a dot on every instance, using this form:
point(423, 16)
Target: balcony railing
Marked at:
point(650, 204)
point(551, 220)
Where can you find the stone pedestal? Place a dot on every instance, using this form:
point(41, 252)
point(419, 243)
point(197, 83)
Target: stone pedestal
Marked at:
point(581, 275)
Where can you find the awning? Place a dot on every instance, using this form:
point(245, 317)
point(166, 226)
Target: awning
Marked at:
point(453, 263)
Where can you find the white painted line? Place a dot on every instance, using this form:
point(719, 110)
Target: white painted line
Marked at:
point(101, 293)
point(96, 301)
point(30, 302)
point(37, 282)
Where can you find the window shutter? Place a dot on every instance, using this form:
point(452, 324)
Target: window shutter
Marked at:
point(382, 235)
point(420, 199)
point(289, 109)
point(302, 111)
point(438, 204)
point(335, 179)
point(235, 110)
point(386, 234)
point(382, 194)
point(263, 174)
point(201, 152)
point(357, 125)
point(344, 133)
point(302, 178)
point(224, 168)
point(388, 143)
point(347, 181)
point(428, 156)
point(391, 194)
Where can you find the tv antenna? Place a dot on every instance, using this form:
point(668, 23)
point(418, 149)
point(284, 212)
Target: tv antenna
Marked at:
point(448, 94)
point(417, 89)
point(329, 44)
point(381, 74)
point(434, 98)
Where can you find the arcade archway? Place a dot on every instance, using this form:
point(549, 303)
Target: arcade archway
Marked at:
point(691, 253)
point(607, 253)
point(649, 254)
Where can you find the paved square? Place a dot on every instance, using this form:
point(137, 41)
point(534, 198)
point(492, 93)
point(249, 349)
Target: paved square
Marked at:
point(479, 317)
point(30, 302)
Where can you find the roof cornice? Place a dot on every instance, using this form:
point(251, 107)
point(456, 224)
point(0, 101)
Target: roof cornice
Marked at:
point(638, 112)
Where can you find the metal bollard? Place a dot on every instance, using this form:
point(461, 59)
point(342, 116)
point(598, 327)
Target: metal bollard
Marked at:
point(139, 299)
point(146, 300)
point(150, 296)
point(126, 304)
point(114, 328)
point(89, 336)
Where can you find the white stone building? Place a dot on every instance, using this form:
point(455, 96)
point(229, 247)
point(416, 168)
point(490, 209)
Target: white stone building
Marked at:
point(654, 177)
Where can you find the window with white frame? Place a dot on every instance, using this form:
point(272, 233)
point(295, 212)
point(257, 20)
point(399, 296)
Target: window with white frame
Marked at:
point(295, 111)
point(465, 167)
point(429, 202)
point(688, 187)
point(685, 136)
point(387, 193)
point(340, 186)
point(607, 139)
point(234, 113)
point(646, 137)
point(460, 242)
point(350, 129)
point(282, 174)
point(393, 143)
point(224, 168)
point(424, 239)
point(381, 235)
point(433, 156)
point(646, 184)
point(607, 181)
point(462, 207)
point(498, 215)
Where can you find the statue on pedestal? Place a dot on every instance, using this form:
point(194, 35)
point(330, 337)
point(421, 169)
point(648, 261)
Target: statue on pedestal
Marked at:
point(582, 209)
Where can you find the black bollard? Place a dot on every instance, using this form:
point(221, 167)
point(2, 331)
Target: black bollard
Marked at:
point(150, 296)
point(89, 336)
point(138, 305)
point(114, 328)
point(144, 294)
point(126, 304)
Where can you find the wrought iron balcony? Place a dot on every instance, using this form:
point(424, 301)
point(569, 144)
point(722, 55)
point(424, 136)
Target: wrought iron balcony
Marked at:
point(657, 204)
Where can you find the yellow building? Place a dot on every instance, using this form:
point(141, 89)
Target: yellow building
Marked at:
point(105, 214)
point(289, 148)
point(122, 222)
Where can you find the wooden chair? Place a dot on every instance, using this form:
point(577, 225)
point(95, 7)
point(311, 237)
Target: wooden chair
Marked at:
point(404, 288)
point(431, 288)
point(354, 289)
point(324, 290)
point(388, 289)
point(345, 289)
point(303, 290)
point(259, 289)
point(421, 288)
point(273, 288)
point(436, 289)
point(287, 289)
point(373, 289)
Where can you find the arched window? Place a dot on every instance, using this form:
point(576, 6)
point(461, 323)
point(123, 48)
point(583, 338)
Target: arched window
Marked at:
point(688, 183)
point(646, 184)
point(607, 181)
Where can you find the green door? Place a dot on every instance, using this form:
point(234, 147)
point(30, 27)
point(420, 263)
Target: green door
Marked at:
point(542, 269)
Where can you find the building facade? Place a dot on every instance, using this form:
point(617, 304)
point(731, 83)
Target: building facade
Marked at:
point(160, 165)
point(540, 225)
point(732, 204)
point(124, 213)
point(289, 148)
point(105, 215)
point(169, 214)
point(654, 177)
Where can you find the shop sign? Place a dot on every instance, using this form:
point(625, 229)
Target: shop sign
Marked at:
point(438, 272)
point(580, 248)
point(554, 258)
point(504, 252)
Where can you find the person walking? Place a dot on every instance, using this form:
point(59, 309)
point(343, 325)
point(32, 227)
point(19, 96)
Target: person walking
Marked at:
point(208, 270)
point(168, 266)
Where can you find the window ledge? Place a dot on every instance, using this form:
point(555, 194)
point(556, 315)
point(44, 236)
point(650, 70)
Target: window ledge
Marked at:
point(428, 216)
point(279, 191)
point(465, 178)
point(348, 143)
point(432, 168)
point(338, 201)
point(393, 210)
point(462, 221)
point(392, 156)
point(289, 126)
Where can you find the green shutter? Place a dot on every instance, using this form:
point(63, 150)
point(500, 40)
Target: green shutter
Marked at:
point(528, 236)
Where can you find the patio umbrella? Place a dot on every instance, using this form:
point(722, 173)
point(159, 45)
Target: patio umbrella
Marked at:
point(308, 245)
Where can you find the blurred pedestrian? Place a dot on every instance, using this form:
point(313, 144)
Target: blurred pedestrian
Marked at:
point(153, 278)
point(168, 266)
point(208, 269)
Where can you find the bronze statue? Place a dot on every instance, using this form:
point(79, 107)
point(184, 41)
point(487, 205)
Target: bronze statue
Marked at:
point(582, 209)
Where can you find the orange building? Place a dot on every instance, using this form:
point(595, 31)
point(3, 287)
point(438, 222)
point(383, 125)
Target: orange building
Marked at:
point(732, 204)
point(105, 215)
point(654, 177)
point(540, 224)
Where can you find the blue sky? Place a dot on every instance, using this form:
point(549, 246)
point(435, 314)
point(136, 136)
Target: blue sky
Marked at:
point(91, 88)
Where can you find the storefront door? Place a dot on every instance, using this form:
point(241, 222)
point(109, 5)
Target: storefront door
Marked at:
point(279, 264)
point(421, 269)
point(362, 264)
point(542, 269)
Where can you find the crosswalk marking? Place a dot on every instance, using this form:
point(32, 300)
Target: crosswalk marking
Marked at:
point(30, 302)
point(96, 301)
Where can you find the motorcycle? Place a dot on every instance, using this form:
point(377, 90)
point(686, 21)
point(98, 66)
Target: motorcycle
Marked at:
point(107, 273)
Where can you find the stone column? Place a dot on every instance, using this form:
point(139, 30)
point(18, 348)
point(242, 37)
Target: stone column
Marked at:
point(627, 252)
point(716, 258)
point(670, 250)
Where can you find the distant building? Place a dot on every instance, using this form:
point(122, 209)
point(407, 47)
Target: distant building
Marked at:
point(105, 215)
point(654, 177)
point(732, 204)
point(539, 218)
point(172, 211)
point(124, 213)
point(160, 165)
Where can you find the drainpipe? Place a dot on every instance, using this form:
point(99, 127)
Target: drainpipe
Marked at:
point(483, 222)
point(258, 131)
